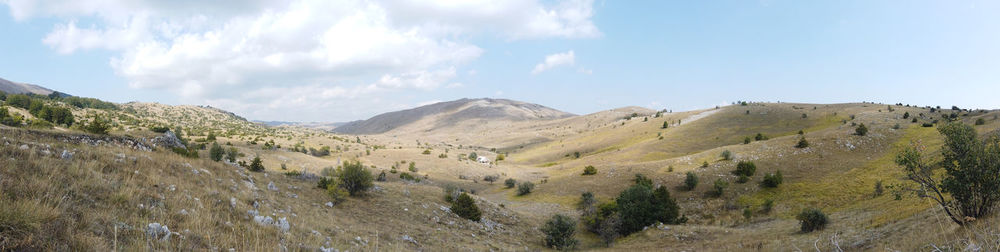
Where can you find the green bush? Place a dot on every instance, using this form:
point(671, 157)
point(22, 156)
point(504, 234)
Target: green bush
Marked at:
point(802, 143)
point(767, 206)
point(861, 130)
point(217, 152)
point(97, 126)
point(760, 137)
point(336, 192)
point(640, 206)
point(325, 182)
point(231, 154)
point(381, 177)
point(355, 178)
point(690, 181)
point(745, 168)
point(587, 200)
point(407, 176)
point(464, 206)
point(747, 140)
point(980, 121)
point(742, 179)
point(772, 180)
point(525, 188)
point(811, 220)
point(256, 165)
point(559, 232)
point(510, 183)
point(726, 155)
point(589, 170)
point(491, 178)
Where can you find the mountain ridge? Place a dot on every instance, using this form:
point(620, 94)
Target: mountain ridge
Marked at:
point(451, 112)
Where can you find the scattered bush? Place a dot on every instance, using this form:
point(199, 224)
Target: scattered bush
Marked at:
point(879, 189)
point(525, 188)
point(742, 179)
point(427, 152)
point(510, 183)
point(501, 157)
point(760, 137)
point(772, 180)
point(587, 200)
point(640, 206)
point(325, 182)
point(811, 220)
point(704, 164)
point(413, 167)
point(381, 177)
point(745, 168)
point(747, 140)
point(355, 178)
point(491, 178)
point(256, 165)
point(980, 121)
point(336, 192)
point(589, 170)
point(407, 176)
point(559, 232)
point(464, 206)
point(691, 181)
point(231, 154)
point(767, 206)
point(98, 126)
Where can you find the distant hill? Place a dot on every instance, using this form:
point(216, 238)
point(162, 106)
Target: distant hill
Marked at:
point(312, 125)
point(11, 87)
point(451, 112)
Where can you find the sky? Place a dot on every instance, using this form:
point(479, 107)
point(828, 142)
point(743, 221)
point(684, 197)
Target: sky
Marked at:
point(343, 60)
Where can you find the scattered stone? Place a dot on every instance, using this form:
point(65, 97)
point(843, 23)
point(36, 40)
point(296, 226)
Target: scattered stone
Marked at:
point(183, 212)
point(271, 186)
point(324, 249)
point(409, 239)
point(263, 220)
point(168, 140)
point(232, 202)
point(329, 204)
point(158, 232)
point(23, 147)
point(282, 224)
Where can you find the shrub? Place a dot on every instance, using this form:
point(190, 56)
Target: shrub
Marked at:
point(747, 140)
point(355, 178)
point(972, 172)
point(427, 152)
point(745, 168)
point(589, 170)
point(407, 176)
point(906, 115)
point(587, 200)
point(665, 125)
point(510, 183)
point(256, 165)
point(464, 206)
point(324, 182)
point(97, 126)
point(381, 177)
point(726, 155)
point(336, 192)
point(718, 188)
point(742, 179)
point(413, 167)
point(772, 180)
point(980, 121)
point(491, 178)
point(525, 188)
point(879, 189)
point(231, 154)
point(501, 157)
point(802, 143)
point(691, 181)
point(473, 156)
point(861, 130)
point(704, 164)
point(640, 206)
point(767, 206)
point(811, 220)
point(760, 137)
point(642, 180)
point(217, 153)
point(927, 125)
point(559, 232)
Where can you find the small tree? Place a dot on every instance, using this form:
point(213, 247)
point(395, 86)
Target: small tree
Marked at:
point(98, 126)
point(691, 181)
point(510, 182)
point(559, 232)
point(216, 152)
point(665, 125)
point(589, 170)
point(491, 178)
point(587, 200)
point(231, 154)
point(525, 188)
point(256, 165)
point(355, 178)
point(772, 180)
point(464, 206)
point(861, 130)
point(811, 220)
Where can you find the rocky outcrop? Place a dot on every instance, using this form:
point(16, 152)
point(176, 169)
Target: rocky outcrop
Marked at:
point(168, 140)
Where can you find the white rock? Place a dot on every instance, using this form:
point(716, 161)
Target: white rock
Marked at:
point(282, 224)
point(263, 220)
point(271, 186)
point(329, 204)
point(156, 231)
point(23, 147)
point(66, 155)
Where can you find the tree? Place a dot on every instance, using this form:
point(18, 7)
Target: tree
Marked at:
point(256, 165)
point(802, 143)
point(491, 178)
point(971, 178)
point(861, 130)
point(726, 155)
point(559, 232)
point(355, 178)
point(811, 220)
point(772, 180)
point(464, 206)
point(97, 126)
point(589, 170)
point(691, 181)
point(747, 140)
point(525, 188)
point(906, 115)
point(636, 208)
point(665, 125)
point(216, 152)
point(510, 182)
point(745, 168)
point(587, 200)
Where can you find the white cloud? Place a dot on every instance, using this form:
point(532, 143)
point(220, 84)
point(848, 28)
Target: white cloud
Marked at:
point(555, 60)
point(256, 57)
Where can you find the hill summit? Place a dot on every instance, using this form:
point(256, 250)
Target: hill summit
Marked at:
point(451, 112)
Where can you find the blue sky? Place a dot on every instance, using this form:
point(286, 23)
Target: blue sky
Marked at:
point(348, 60)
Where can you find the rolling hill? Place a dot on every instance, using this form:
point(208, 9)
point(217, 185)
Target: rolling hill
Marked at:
point(11, 87)
point(443, 114)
